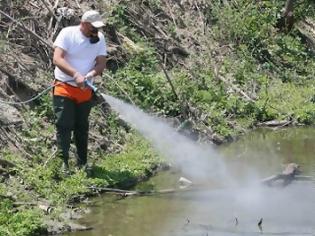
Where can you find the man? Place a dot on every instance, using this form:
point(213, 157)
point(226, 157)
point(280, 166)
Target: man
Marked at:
point(79, 55)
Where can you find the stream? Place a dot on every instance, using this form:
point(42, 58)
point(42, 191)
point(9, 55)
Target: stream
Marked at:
point(216, 209)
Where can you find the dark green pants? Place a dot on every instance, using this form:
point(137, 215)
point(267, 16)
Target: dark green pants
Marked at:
point(71, 116)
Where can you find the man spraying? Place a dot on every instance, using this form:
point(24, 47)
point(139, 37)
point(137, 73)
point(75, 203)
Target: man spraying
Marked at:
point(79, 55)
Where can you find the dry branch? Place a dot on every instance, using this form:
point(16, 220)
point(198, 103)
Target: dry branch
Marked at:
point(49, 8)
point(232, 86)
point(36, 36)
point(140, 193)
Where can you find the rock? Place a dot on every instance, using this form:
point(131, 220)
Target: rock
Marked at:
point(56, 227)
point(76, 227)
point(9, 115)
point(184, 183)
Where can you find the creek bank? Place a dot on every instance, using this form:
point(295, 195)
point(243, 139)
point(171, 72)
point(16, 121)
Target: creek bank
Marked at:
point(66, 219)
point(36, 189)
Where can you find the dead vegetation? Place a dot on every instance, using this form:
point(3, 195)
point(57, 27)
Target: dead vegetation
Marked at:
point(179, 30)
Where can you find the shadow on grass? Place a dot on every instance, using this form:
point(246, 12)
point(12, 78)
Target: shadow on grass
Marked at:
point(115, 178)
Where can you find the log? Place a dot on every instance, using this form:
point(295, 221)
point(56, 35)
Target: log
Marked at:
point(126, 193)
point(276, 123)
point(111, 190)
point(286, 177)
point(306, 29)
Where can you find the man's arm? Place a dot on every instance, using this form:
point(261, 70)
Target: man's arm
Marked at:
point(60, 61)
point(100, 66)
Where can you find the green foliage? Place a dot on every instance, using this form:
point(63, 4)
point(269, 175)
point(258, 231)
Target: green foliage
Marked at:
point(153, 4)
point(22, 223)
point(133, 163)
point(49, 182)
point(144, 83)
point(288, 100)
point(44, 109)
point(251, 25)
point(259, 54)
point(245, 22)
point(119, 19)
point(303, 9)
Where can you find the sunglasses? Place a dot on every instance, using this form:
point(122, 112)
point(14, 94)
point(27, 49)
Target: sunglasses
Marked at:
point(94, 30)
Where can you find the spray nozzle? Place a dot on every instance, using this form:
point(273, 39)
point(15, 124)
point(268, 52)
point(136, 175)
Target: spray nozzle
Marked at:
point(89, 84)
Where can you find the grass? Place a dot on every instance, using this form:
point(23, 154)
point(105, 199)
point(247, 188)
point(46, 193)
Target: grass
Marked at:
point(126, 168)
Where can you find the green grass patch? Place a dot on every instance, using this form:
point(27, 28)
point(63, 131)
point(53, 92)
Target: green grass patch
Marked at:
point(19, 223)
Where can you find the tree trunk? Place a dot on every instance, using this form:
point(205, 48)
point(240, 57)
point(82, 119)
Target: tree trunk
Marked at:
point(286, 21)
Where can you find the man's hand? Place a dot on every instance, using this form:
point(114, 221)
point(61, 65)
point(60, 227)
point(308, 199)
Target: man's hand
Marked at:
point(90, 76)
point(79, 79)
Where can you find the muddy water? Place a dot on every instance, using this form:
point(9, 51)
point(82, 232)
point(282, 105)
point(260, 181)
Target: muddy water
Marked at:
point(215, 210)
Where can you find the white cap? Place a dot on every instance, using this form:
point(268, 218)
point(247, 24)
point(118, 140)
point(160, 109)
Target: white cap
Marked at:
point(94, 18)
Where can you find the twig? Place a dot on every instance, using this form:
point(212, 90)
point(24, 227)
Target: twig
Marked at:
point(169, 81)
point(51, 156)
point(56, 4)
point(34, 5)
point(236, 89)
point(171, 12)
point(78, 4)
point(185, 107)
point(122, 90)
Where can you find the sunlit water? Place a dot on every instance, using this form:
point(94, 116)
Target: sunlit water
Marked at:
point(222, 210)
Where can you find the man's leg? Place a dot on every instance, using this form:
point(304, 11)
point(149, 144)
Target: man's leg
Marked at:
point(81, 131)
point(64, 111)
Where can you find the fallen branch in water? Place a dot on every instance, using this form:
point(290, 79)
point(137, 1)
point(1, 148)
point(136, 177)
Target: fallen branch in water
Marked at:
point(111, 190)
point(287, 175)
point(140, 193)
point(184, 184)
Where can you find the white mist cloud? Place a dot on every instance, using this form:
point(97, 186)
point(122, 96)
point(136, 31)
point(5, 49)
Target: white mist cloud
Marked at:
point(198, 162)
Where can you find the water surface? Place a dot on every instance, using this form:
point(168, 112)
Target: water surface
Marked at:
point(222, 210)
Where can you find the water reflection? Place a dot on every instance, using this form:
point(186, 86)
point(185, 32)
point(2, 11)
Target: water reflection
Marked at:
point(224, 211)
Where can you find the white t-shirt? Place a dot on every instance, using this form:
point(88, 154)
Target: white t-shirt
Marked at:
point(80, 53)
